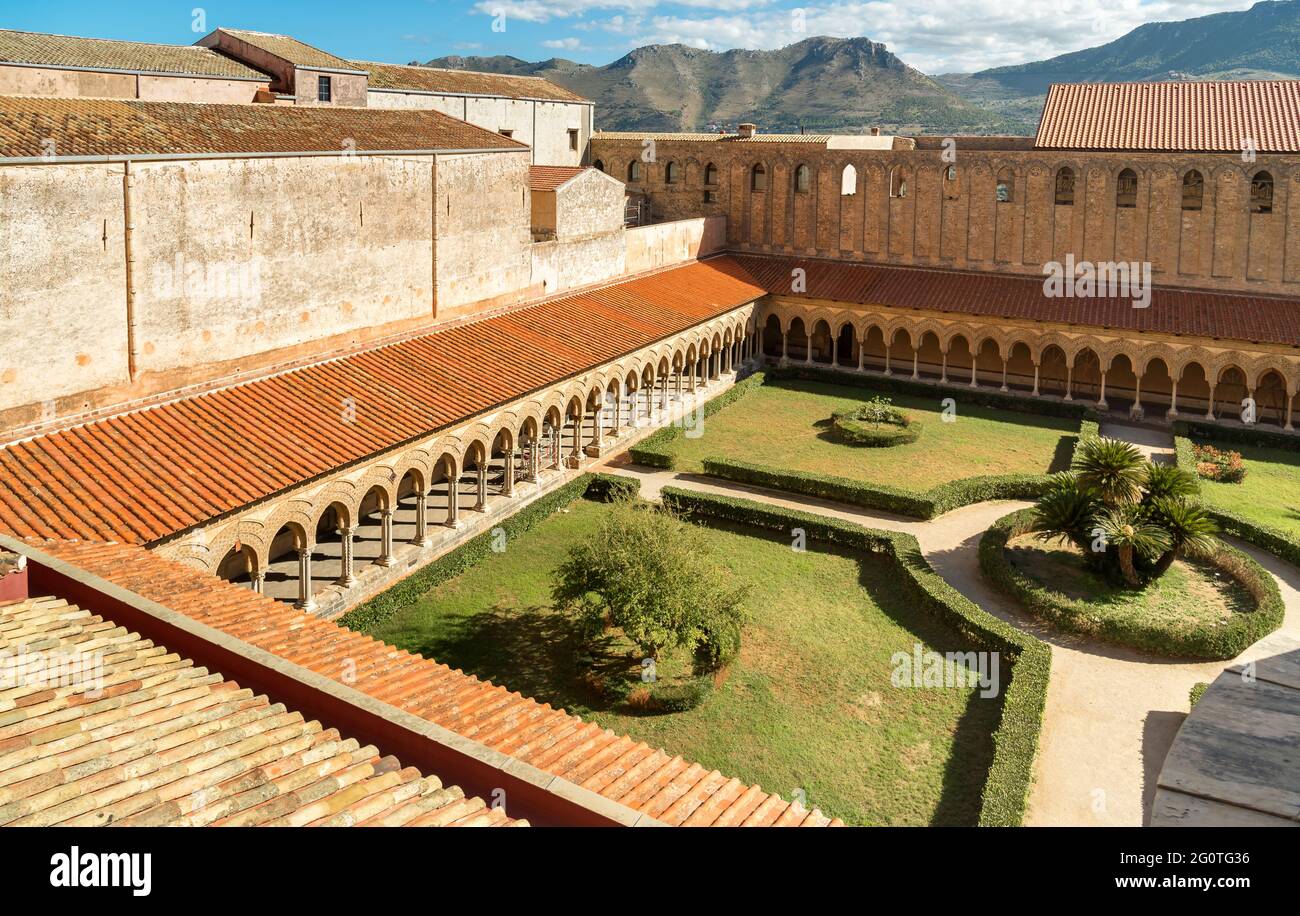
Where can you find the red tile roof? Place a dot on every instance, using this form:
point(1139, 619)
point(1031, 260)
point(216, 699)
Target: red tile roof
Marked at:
point(141, 476)
point(125, 127)
point(1231, 316)
point(627, 771)
point(550, 177)
point(411, 78)
point(1192, 116)
point(138, 736)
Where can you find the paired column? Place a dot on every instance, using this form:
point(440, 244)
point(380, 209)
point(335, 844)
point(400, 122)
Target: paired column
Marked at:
point(347, 578)
point(306, 601)
point(386, 557)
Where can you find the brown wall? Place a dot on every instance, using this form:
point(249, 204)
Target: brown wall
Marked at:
point(959, 224)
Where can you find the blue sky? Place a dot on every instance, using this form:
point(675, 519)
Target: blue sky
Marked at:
point(937, 36)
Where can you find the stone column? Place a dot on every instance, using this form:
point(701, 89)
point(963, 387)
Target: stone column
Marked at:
point(1209, 412)
point(916, 363)
point(259, 583)
point(422, 538)
point(453, 502)
point(534, 460)
point(785, 347)
point(943, 373)
point(1172, 412)
point(508, 483)
point(1069, 383)
point(1290, 404)
point(678, 381)
point(306, 600)
point(1004, 374)
point(1251, 395)
point(480, 481)
point(888, 368)
point(386, 557)
point(1136, 412)
point(974, 370)
point(347, 577)
point(1035, 379)
point(1101, 401)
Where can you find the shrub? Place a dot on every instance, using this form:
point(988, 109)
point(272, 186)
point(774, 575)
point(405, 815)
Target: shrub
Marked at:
point(1207, 641)
point(1214, 464)
point(1015, 740)
point(650, 575)
point(1263, 436)
point(875, 424)
point(1198, 690)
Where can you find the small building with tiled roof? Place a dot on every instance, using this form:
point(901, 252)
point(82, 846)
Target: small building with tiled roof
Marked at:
point(300, 72)
point(572, 202)
point(65, 66)
point(555, 122)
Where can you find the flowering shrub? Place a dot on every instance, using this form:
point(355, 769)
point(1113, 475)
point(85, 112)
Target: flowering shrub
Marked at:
point(1221, 465)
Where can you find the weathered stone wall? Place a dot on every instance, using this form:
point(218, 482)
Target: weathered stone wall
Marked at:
point(563, 265)
point(661, 244)
point(590, 204)
point(959, 223)
point(482, 231)
point(66, 84)
point(62, 285)
point(346, 89)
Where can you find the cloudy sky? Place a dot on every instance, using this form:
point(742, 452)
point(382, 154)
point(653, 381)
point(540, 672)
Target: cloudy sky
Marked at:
point(937, 36)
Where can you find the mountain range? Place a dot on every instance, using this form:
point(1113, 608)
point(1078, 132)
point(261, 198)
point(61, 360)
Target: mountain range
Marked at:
point(843, 85)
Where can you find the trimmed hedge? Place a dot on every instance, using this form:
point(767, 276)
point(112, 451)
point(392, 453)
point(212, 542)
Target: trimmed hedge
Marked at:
point(656, 451)
point(1015, 741)
point(601, 487)
point(1204, 642)
point(916, 504)
point(1240, 435)
point(852, 431)
point(984, 397)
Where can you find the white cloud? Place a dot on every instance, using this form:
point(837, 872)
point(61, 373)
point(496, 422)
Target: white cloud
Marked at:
point(936, 36)
point(563, 44)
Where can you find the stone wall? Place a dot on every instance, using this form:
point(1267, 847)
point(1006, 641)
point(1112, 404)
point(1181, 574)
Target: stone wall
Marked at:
point(590, 204)
point(56, 83)
point(958, 222)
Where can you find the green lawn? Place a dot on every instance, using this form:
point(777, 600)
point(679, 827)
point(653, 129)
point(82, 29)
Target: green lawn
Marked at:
point(786, 424)
point(1270, 494)
point(808, 705)
point(1189, 595)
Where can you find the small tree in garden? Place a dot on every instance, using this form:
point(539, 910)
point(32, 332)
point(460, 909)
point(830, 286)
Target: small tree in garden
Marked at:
point(878, 410)
point(1131, 518)
point(652, 575)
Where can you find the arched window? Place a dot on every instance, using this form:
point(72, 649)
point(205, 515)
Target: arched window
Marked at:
point(710, 175)
point(598, 165)
point(1065, 187)
point(1126, 190)
point(1193, 190)
point(849, 181)
point(672, 173)
point(802, 179)
point(634, 171)
point(1261, 193)
point(897, 182)
point(758, 178)
point(1004, 190)
point(950, 173)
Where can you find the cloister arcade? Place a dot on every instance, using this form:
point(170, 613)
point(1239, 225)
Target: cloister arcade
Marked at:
point(1114, 373)
point(316, 548)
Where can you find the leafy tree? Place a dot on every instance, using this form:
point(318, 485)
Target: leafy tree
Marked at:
point(1131, 518)
point(652, 575)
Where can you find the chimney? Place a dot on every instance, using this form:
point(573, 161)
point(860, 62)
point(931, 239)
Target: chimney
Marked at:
point(748, 130)
point(875, 131)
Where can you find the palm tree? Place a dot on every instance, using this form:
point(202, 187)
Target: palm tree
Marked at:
point(1065, 512)
point(1112, 469)
point(1169, 481)
point(1189, 527)
point(1128, 530)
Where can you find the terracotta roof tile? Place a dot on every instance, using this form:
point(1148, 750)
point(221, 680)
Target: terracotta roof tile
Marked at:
point(131, 56)
point(1220, 116)
point(125, 127)
point(141, 476)
point(138, 736)
point(413, 78)
point(290, 49)
point(1231, 316)
point(550, 177)
point(618, 767)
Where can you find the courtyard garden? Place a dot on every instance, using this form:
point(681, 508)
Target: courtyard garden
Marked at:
point(789, 423)
point(1119, 548)
point(798, 697)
